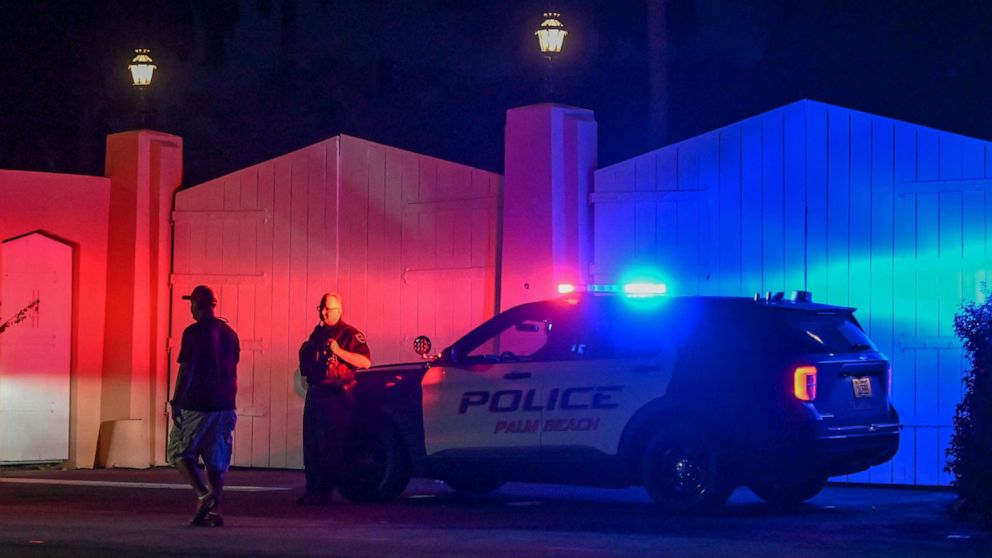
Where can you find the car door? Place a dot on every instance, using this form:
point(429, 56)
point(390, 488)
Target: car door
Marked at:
point(486, 392)
point(626, 361)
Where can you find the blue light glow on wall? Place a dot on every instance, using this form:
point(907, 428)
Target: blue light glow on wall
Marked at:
point(862, 210)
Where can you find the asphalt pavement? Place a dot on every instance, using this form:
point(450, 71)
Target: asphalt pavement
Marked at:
point(144, 513)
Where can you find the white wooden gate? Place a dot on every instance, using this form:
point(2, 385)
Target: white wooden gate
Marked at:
point(35, 353)
point(892, 218)
point(407, 240)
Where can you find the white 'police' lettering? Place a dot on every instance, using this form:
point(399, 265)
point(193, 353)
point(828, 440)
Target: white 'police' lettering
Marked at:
point(567, 399)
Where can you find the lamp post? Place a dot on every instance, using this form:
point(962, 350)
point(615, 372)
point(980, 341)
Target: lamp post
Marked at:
point(551, 37)
point(142, 69)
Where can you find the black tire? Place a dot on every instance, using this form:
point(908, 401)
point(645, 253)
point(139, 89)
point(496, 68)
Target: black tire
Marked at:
point(789, 493)
point(378, 467)
point(474, 486)
point(684, 470)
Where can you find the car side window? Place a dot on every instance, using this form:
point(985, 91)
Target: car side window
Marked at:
point(521, 339)
point(531, 337)
point(725, 330)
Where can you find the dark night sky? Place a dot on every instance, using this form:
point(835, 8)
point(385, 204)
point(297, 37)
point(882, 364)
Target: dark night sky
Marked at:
point(244, 81)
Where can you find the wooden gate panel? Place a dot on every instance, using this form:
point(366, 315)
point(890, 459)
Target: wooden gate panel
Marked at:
point(773, 200)
point(408, 241)
point(35, 354)
point(865, 211)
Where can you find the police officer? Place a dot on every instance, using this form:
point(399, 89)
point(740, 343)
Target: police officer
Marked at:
point(328, 361)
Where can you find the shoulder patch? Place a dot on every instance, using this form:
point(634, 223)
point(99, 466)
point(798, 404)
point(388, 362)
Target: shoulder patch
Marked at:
point(359, 336)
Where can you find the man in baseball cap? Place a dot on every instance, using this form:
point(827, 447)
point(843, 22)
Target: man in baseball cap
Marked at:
point(203, 405)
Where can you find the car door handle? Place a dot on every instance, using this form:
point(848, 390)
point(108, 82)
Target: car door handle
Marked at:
point(516, 375)
point(647, 368)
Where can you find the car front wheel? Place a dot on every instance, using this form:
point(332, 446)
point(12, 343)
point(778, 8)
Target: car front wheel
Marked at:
point(684, 471)
point(378, 467)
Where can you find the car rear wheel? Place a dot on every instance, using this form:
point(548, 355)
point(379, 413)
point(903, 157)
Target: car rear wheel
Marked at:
point(684, 471)
point(474, 486)
point(378, 467)
point(789, 493)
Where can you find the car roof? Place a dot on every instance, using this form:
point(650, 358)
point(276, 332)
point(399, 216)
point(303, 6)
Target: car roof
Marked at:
point(729, 302)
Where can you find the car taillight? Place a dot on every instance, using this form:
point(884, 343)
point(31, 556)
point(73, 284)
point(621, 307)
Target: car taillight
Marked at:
point(888, 383)
point(804, 386)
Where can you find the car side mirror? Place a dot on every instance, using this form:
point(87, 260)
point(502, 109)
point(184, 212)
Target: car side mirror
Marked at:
point(422, 346)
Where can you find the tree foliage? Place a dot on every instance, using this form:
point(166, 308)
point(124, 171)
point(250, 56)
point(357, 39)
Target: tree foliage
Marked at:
point(970, 451)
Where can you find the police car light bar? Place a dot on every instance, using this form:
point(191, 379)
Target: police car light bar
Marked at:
point(629, 289)
point(645, 289)
point(602, 288)
point(566, 288)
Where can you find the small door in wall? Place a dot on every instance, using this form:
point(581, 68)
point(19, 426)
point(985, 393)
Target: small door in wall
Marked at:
point(36, 293)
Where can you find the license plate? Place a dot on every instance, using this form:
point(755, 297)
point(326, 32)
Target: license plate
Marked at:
point(862, 387)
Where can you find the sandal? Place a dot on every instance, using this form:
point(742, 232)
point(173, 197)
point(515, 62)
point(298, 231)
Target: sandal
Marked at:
point(204, 505)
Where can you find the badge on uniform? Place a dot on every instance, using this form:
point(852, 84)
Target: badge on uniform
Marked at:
point(360, 337)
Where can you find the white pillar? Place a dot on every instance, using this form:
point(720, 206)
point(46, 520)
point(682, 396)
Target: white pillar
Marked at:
point(145, 170)
point(546, 239)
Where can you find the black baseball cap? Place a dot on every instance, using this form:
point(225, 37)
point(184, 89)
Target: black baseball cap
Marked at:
point(202, 295)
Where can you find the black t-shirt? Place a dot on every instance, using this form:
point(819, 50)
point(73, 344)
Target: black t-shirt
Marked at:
point(349, 338)
point(210, 351)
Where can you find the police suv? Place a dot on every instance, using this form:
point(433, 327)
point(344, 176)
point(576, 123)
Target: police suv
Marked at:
point(690, 397)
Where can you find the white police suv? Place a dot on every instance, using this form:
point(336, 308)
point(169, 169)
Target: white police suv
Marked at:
point(688, 396)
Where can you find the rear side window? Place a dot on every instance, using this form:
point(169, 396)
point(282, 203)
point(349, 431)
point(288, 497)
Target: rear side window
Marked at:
point(828, 332)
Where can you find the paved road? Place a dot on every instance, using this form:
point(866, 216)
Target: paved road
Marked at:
point(143, 513)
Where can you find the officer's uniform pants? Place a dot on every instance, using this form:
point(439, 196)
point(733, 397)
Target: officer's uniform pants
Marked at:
point(326, 419)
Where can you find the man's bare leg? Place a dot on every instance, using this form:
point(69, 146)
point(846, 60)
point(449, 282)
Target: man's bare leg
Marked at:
point(188, 469)
point(216, 480)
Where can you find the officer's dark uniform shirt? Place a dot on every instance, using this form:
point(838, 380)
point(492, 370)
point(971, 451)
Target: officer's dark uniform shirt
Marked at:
point(210, 351)
point(347, 336)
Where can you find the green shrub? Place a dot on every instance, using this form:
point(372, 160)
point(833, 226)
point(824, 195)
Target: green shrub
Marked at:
point(969, 457)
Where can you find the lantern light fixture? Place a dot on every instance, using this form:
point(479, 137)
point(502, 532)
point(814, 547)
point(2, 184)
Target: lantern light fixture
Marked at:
point(142, 68)
point(551, 34)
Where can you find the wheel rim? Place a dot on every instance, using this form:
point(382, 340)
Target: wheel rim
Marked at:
point(682, 472)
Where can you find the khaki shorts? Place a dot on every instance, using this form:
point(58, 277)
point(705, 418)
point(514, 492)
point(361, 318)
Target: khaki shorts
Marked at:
point(203, 434)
